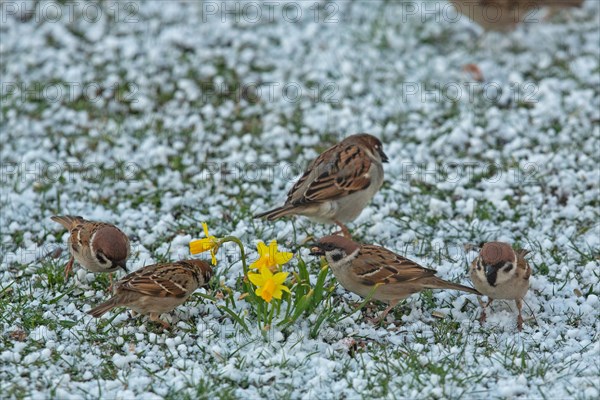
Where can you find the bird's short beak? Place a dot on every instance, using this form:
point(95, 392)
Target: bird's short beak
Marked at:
point(122, 264)
point(316, 251)
point(384, 157)
point(489, 270)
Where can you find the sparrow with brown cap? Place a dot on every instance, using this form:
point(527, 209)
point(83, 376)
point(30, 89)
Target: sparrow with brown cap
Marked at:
point(500, 272)
point(375, 271)
point(96, 246)
point(338, 184)
point(157, 289)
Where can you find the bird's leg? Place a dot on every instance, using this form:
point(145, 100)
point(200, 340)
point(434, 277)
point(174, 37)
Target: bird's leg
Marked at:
point(366, 309)
point(520, 317)
point(385, 312)
point(483, 316)
point(344, 230)
point(154, 317)
point(69, 267)
point(110, 280)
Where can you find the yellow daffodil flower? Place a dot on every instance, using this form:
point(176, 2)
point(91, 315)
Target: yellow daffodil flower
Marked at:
point(270, 257)
point(269, 285)
point(210, 243)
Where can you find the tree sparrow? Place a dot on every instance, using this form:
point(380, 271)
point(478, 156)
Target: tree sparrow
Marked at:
point(157, 289)
point(502, 15)
point(338, 184)
point(97, 246)
point(373, 270)
point(500, 272)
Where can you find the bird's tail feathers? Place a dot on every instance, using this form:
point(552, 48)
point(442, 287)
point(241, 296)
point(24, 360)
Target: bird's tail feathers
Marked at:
point(275, 213)
point(67, 220)
point(103, 308)
point(438, 283)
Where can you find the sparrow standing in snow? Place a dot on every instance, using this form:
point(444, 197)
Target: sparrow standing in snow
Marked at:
point(158, 288)
point(369, 270)
point(338, 184)
point(499, 272)
point(97, 246)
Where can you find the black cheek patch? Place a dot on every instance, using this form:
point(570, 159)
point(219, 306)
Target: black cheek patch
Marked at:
point(492, 273)
point(336, 257)
point(101, 258)
point(508, 268)
point(491, 277)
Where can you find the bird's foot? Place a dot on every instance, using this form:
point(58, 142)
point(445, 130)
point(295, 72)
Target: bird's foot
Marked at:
point(69, 267)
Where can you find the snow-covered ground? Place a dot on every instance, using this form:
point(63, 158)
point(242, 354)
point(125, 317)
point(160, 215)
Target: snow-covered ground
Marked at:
point(159, 115)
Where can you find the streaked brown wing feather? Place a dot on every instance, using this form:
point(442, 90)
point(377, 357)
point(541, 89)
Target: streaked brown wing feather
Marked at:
point(160, 281)
point(333, 174)
point(82, 232)
point(522, 264)
point(74, 239)
point(385, 267)
point(295, 192)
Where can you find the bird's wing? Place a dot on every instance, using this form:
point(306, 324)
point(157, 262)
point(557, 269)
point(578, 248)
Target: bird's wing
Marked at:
point(159, 280)
point(376, 265)
point(334, 174)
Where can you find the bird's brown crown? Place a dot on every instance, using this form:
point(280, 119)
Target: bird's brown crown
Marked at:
point(497, 252)
point(331, 242)
point(112, 243)
point(368, 141)
point(365, 139)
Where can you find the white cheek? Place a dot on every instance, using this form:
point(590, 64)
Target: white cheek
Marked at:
point(504, 277)
point(339, 264)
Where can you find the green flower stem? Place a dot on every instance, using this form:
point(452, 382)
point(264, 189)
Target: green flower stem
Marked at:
point(240, 245)
point(261, 310)
point(272, 307)
point(279, 306)
point(288, 297)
